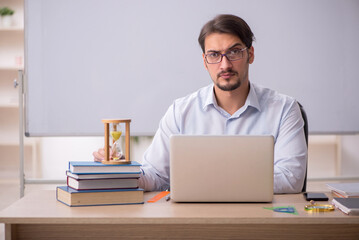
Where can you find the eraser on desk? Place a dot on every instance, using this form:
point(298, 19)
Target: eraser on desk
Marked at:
point(158, 196)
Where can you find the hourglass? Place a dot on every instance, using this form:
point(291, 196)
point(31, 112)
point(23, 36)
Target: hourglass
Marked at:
point(113, 129)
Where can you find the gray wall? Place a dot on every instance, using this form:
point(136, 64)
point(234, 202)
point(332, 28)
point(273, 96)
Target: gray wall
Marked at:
point(92, 59)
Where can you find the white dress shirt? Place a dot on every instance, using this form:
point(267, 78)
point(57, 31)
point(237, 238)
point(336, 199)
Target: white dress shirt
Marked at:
point(265, 112)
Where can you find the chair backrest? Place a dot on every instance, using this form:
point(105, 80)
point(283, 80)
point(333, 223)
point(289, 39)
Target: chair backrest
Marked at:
point(305, 119)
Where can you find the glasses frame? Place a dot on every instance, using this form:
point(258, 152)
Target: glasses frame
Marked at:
point(225, 54)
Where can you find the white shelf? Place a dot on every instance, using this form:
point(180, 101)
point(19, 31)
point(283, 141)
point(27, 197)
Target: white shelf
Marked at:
point(14, 141)
point(13, 144)
point(9, 102)
point(11, 29)
point(9, 105)
point(12, 49)
point(11, 61)
point(11, 68)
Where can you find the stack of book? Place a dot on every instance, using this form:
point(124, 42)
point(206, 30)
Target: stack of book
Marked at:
point(93, 184)
point(344, 190)
point(346, 197)
point(349, 206)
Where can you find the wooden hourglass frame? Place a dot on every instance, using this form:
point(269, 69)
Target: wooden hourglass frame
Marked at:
point(107, 159)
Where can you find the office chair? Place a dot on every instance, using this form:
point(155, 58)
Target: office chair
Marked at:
point(305, 119)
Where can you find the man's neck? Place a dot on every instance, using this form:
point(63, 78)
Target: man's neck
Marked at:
point(231, 101)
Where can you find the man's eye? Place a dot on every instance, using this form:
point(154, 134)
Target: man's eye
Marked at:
point(214, 55)
point(234, 52)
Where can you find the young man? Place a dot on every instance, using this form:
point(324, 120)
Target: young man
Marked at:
point(231, 105)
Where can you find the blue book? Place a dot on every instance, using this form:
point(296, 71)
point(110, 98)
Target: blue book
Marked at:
point(80, 198)
point(78, 167)
point(81, 176)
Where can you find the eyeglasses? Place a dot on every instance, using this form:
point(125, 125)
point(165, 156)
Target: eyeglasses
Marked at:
point(231, 55)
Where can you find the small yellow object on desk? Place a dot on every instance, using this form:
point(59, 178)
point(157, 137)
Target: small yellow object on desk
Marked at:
point(313, 207)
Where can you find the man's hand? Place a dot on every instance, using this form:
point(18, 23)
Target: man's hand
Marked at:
point(100, 154)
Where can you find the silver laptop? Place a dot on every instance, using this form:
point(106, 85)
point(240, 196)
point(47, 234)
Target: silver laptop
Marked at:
point(207, 168)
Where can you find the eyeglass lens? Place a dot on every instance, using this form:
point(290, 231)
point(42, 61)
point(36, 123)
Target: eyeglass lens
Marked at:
point(233, 55)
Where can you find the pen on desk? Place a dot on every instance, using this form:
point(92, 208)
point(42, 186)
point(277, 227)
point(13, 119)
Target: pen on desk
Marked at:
point(168, 197)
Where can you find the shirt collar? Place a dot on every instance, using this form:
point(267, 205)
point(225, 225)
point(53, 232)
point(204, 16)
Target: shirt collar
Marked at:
point(252, 98)
point(209, 98)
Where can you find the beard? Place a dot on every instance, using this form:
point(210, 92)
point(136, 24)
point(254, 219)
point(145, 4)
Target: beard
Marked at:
point(228, 86)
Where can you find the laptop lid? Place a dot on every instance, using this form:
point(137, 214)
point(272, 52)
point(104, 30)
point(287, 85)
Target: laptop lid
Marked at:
point(225, 168)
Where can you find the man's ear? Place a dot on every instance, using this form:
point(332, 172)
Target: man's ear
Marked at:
point(251, 55)
point(204, 61)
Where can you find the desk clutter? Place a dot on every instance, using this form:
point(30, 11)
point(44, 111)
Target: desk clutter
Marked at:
point(284, 209)
point(315, 207)
point(344, 190)
point(349, 206)
point(346, 197)
point(95, 184)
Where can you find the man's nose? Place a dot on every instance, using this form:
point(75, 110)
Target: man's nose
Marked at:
point(225, 63)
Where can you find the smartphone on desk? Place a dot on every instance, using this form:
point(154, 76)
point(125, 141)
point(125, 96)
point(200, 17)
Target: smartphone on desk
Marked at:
point(315, 196)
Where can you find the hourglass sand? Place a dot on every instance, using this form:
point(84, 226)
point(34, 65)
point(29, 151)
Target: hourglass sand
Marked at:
point(116, 143)
point(116, 133)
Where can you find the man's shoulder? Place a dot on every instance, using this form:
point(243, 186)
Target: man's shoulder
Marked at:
point(268, 95)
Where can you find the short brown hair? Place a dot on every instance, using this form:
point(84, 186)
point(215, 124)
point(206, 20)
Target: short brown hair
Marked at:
point(226, 23)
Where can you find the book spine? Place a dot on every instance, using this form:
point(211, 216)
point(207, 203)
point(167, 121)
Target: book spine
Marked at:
point(94, 189)
point(101, 178)
point(92, 205)
point(336, 194)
